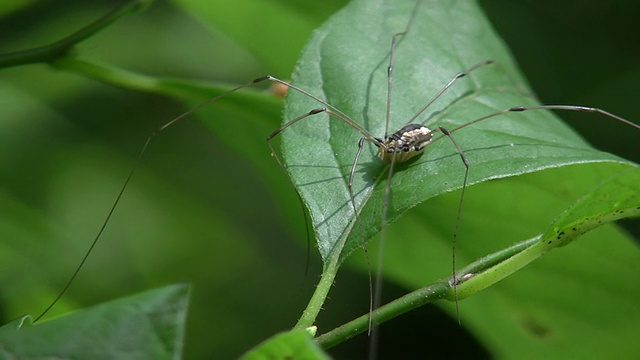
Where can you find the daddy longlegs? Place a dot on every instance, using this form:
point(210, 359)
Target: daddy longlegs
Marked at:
point(418, 132)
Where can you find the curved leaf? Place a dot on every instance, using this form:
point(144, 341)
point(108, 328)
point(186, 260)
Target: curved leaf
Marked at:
point(345, 63)
point(574, 297)
point(147, 325)
point(613, 199)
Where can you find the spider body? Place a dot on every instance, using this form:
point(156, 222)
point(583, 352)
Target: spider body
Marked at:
point(404, 144)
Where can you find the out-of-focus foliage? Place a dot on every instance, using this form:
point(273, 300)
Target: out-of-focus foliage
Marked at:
point(196, 211)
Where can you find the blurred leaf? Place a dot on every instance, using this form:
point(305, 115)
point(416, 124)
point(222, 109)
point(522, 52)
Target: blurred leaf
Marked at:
point(296, 344)
point(184, 217)
point(209, 216)
point(10, 6)
point(247, 21)
point(148, 325)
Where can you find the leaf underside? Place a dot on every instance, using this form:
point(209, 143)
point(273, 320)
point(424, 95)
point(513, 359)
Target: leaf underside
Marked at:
point(345, 63)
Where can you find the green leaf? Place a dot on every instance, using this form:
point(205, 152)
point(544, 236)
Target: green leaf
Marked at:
point(613, 199)
point(288, 24)
point(147, 325)
point(419, 250)
point(16, 324)
point(296, 344)
point(345, 63)
point(554, 309)
point(57, 160)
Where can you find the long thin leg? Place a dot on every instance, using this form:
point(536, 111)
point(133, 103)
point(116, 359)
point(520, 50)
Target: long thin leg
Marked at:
point(454, 280)
point(373, 342)
point(356, 219)
point(375, 300)
point(293, 185)
point(332, 111)
point(446, 87)
point(549, 107)
point(392, 53)
point(447, 133)
point(126, 182)
point(339, 116)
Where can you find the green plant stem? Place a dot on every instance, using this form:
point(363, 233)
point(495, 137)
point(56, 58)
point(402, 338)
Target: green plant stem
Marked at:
point(494, 259)
point(314, 306)
point(119, 77)
point(492, 268)
point(329, 272)
point(176, 88)
point(332, 264)
point(497, 266)
point(438, 290)
point(62, 48)
point(406, 303)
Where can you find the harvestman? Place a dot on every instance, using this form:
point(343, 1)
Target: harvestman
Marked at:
point(409, 141)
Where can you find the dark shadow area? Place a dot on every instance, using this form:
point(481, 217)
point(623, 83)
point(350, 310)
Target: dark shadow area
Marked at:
point(427, 332)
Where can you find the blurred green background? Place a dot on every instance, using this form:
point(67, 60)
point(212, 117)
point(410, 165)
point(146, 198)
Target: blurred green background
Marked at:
point(198, 212)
